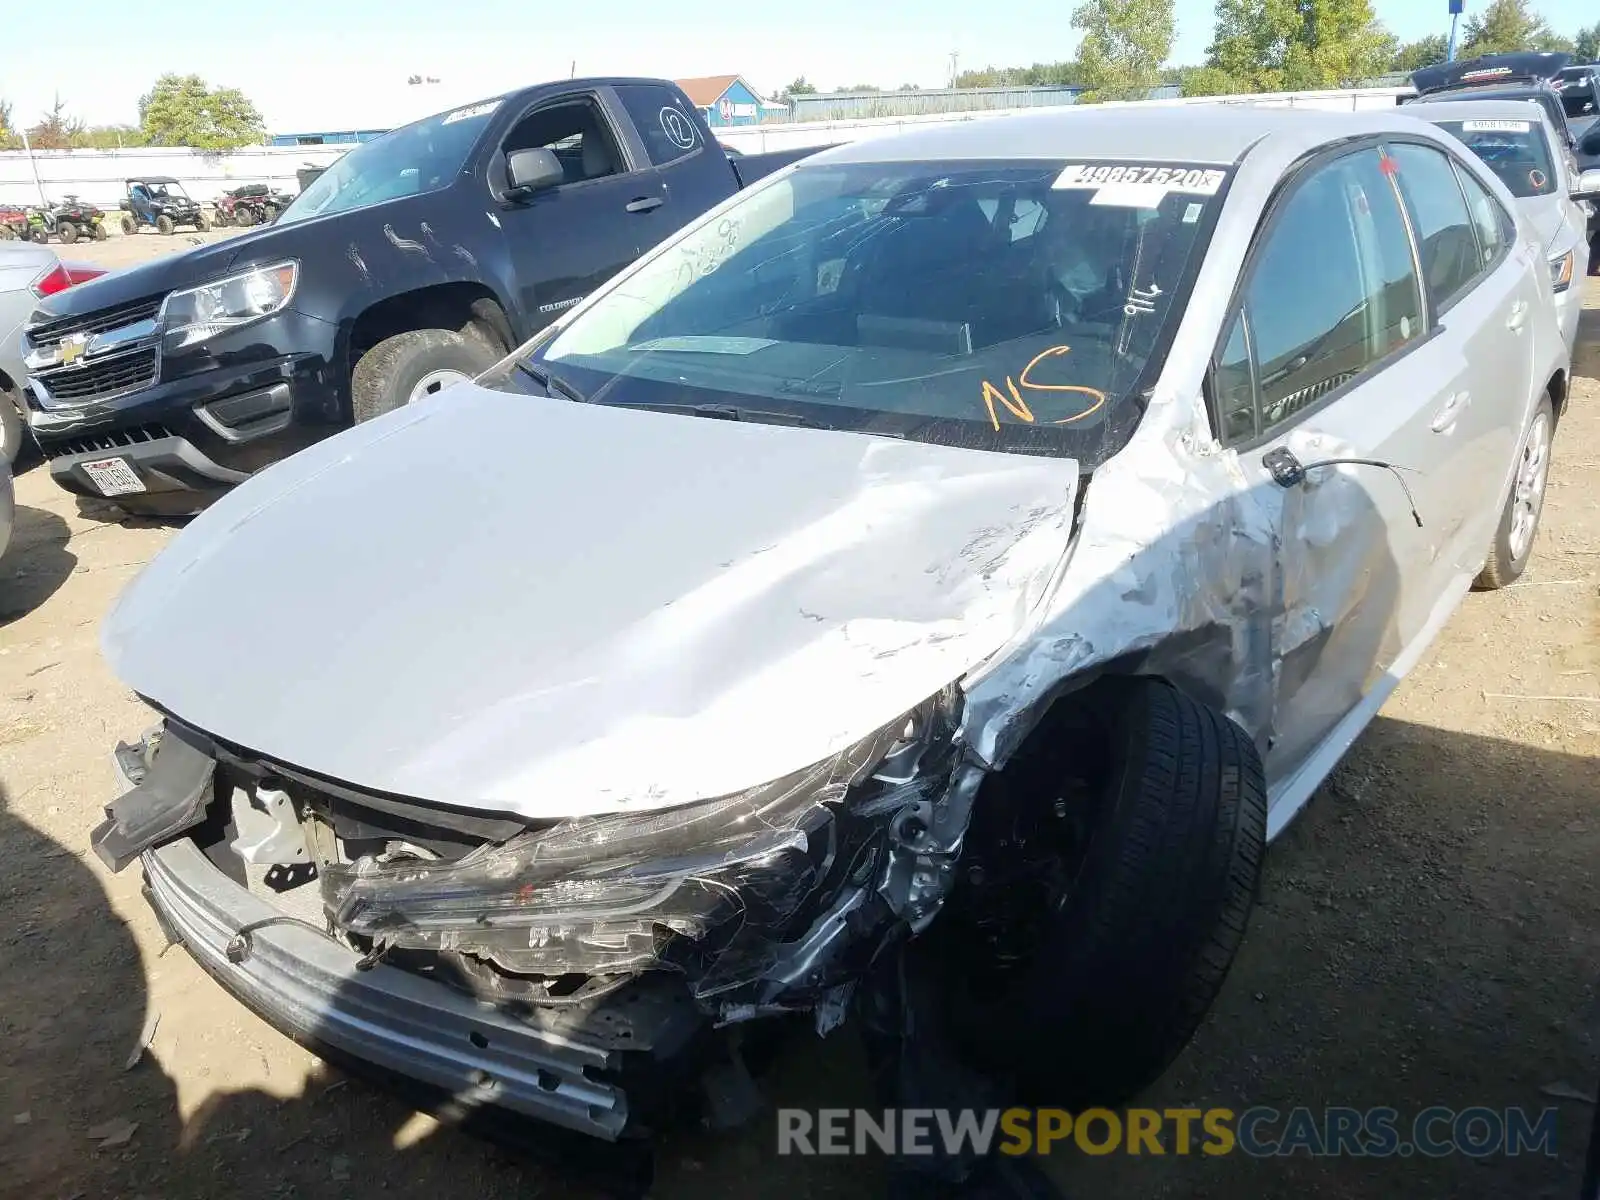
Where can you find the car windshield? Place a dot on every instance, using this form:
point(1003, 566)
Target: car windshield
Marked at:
point(1577, 94)
point(408, 161)
point(998, 305)
point(1514, 150)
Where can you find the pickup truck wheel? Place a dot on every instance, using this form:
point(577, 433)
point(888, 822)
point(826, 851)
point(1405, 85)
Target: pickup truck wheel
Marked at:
point(1519, 520)
point(413, 366)
point(1111, 881)
point(163, 224)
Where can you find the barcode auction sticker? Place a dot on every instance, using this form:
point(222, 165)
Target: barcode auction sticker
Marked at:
point(1192, 180)
point(1496, 126)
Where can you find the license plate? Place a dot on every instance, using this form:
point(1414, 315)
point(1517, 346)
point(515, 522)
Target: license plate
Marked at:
point(113, 476)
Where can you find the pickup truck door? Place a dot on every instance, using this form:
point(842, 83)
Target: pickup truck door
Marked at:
point(563, 242)
point(693, 168)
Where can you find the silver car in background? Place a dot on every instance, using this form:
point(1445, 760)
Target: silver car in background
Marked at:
point(1515, 140)
point(28, 273)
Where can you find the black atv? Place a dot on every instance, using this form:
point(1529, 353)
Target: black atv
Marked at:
point(73, 219)
point(159, 202)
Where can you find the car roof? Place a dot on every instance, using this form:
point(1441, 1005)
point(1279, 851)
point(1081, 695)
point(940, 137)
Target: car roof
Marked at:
point(1217, 134)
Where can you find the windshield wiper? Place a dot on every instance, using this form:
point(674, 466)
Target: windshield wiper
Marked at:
point(728, 412)
point(550, 382)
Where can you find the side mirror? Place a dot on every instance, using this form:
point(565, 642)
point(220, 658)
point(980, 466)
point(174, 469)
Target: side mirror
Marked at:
point(1591, 142)
point(1588, 186)
point(533, 170)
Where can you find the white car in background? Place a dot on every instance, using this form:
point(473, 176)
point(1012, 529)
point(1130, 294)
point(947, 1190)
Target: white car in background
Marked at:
point(28, 273)
point(1515, 140)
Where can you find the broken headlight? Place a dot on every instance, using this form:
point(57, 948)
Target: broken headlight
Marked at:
point(624, 892)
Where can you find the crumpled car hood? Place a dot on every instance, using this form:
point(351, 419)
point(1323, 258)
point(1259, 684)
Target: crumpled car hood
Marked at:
point(537, 607)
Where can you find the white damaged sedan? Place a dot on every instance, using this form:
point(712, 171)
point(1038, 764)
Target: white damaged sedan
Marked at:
point(953, 557)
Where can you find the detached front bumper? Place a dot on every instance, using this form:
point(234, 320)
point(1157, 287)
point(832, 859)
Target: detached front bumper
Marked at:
point(308, 987)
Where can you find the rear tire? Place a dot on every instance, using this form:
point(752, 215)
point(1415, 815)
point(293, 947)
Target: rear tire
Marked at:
point(99, 231)
point(67, 232)
point(1166, 803)
point(401, 368)
point(128, 226)
point(1514, 537)
point(201, 224)
point(164, 224)
point(243, 218)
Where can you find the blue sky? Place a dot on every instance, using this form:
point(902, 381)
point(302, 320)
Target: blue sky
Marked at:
point(318, 65)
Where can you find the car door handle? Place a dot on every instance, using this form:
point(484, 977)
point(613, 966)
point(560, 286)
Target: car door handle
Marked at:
point(1447, 416)
point(645, 203)
point(1519, 315)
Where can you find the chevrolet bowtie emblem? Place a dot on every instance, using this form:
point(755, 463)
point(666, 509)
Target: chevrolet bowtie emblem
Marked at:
point(72, 348)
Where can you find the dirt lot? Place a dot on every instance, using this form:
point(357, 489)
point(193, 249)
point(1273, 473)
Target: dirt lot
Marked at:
point(1429, 931)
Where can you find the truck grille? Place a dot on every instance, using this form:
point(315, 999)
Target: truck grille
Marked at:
point(103, 379)
point(95, 322)
point(113, 439)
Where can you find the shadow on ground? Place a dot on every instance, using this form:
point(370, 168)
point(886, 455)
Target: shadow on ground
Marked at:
point(35, 564)
point(1428, 934)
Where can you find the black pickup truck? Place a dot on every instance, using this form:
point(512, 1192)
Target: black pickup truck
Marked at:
point(416, 260)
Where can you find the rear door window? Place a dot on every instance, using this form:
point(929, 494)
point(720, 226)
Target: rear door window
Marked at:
point(1446, 239)
point(668, 129)
point(1494, 225)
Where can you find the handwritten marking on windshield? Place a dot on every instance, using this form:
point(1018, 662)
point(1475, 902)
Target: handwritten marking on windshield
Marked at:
point(1018, 407)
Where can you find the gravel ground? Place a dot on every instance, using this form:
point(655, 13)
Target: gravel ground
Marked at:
point(1429, 931)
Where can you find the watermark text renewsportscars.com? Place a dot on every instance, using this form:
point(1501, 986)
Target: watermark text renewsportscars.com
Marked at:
point(1259, 1132)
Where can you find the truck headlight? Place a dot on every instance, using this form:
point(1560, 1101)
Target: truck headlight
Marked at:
point(1561, 271)
point(715, 882)
point(198, 313)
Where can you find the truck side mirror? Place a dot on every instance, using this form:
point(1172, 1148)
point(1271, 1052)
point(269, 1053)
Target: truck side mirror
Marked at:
point(533, 170)
point(1588, 186)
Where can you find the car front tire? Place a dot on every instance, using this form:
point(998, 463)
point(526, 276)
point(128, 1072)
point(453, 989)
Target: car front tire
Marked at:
point(13, 426)
point(401, 369)
point(1159, 805)
point(1514, 538)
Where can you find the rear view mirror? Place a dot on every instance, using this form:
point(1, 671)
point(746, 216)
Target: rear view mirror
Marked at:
point(1588, 186)
point(533, 170)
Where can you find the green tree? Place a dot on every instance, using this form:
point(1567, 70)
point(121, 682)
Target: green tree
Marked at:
point(55, 130)
point(1587, 44)
point(1210, 81)
point(1295, 45)
point(1124, 44)
point(1423, 52)
point(799, 87)
point(110, 137)
point(180, 110)
point(859, 89)
point(1039, 75)
point(1509, 25)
